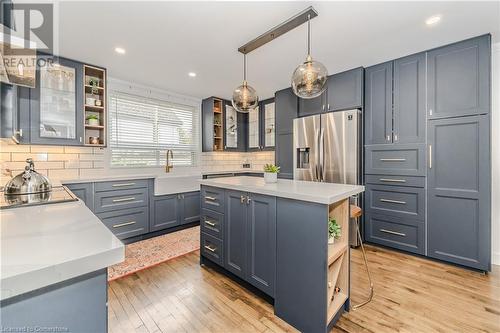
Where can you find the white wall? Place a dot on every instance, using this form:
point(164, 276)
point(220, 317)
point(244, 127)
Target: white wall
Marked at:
point(495, 155)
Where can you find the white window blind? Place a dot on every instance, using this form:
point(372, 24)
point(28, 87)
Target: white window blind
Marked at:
point(142, 129)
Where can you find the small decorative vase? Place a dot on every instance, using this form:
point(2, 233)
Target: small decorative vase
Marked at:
point(331, 240)
point(270, 177)
point(93, 122)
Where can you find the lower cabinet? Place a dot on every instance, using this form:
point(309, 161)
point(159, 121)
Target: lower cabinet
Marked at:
point(126, 223)
point(459, 199)
point(174, 210)
point(129, 208)
point(84, 192)
point(243, 238)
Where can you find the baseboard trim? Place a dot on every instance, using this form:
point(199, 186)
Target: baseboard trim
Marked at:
point(495, 258)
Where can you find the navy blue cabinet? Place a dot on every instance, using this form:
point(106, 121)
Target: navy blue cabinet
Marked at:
point(286, 104)
point(85, 192)
point(459, 178)
point(261, 242)
point(345, 90)
point(236, 233)
point(165, 212)
point(459, 78)
point(15, 112)
point(378, 104)
point(56, 103)
point(174, 209)
point(242, 238)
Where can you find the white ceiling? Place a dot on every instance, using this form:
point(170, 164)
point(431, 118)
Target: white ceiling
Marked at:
point(166, 40)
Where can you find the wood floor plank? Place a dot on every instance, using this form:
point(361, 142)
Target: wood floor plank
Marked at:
point(412, 294)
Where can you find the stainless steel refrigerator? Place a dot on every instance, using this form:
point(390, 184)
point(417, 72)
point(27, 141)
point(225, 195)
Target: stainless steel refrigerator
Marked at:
point(327, 149)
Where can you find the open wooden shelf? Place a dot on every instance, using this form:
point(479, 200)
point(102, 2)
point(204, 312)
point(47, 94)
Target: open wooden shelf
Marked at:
point(338, 261)
point(335, 251)
point(97, 127)
point(98, 131)
point(94, 108)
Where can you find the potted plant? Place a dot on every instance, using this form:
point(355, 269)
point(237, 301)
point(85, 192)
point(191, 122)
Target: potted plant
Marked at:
point(271, 173)
point(334, 231)
point(93, 120)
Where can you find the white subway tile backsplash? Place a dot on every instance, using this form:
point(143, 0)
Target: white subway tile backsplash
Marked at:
point(79, 150)
point(63, 157)
point(47, 149)
point(23, 156)
point(76, 164)
point(91, 157)
point(63, 174)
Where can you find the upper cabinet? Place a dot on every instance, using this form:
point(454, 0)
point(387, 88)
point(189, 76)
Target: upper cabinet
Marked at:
point(234, 129)
point(261, 126)
point(286, 105)
point(57, 110)
point(268, 124)
point(344, 91)
point(212, 124)
point(378, 104)
point(459, 78)
point(395, 101)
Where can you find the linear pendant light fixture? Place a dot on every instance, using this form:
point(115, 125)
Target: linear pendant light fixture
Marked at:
point(311, 75)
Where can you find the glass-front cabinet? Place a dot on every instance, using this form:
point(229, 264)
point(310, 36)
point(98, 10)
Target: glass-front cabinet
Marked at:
point(268, 124)
point(57, 115)
point(254, 129)
point(234, 129)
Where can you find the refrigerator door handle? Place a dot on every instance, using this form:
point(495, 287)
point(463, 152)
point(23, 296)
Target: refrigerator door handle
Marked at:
point(317, 157)
point(321, 155)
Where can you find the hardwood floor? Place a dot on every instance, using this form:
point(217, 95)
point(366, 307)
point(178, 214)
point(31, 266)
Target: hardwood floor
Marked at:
point(411, 295)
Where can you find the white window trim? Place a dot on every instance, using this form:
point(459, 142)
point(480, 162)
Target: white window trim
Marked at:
point(154, 93)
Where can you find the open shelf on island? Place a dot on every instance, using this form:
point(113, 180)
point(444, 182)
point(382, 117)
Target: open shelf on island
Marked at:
point(338, 261)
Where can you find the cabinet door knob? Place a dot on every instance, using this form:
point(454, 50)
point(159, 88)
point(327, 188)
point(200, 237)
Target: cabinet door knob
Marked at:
point(242, 199)
point(248, 200)
point(328, 106)
point(388, 138)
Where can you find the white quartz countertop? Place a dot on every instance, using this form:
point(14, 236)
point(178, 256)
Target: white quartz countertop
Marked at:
point(105, 178)
point(324, 193)
point(47, 244)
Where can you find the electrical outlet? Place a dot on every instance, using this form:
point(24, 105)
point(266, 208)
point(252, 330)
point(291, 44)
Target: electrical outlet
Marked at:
point(246, 165)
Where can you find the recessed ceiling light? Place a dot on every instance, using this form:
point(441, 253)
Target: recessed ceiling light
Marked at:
point(120, 50)
point(192, 74)
point(433, 20)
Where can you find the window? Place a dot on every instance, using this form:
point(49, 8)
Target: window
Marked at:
point(142, 129)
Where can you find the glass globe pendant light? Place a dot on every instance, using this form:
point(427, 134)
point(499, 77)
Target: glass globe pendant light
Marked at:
point(309, 78)
point(245, 97)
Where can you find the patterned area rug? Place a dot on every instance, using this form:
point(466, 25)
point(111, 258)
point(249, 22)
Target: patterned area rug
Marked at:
point(154, 251)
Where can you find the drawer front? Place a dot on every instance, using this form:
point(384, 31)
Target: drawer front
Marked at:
point(126, 223)
point(391, 180)
point(212, 223)
point(212, 198)
point(120, 185)
point(211, 248)
point(396, 201)
point(408, 160)
point(113, 200)
point(393, 232)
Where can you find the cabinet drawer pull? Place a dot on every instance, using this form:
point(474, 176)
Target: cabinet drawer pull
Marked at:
point(124, 199)
point(393, 201)
point(393, 159)
point(123, 224)
point(388, 180)
point(211, 249)
point(210, 198)
point(122, 184)
point(210, 223)
point(393, 232)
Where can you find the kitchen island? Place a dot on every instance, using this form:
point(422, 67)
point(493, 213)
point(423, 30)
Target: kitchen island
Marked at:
point(54, 260)
point(274, 238)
